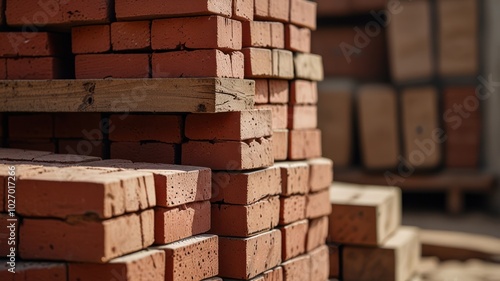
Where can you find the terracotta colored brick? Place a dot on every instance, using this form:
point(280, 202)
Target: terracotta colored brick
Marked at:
point(78, 125)
point(9, 231)
point(209, 32)
point(143, 265)
point(85, 240)
point(321, 174)
point(245, 220)
point(135, 9)
point(320, 263)
point(2, 13)
point(264, 34)
point(308, 66)
point(40, 126)
point(274, 274)
point(33, 44)
point(302, 117)
point(229, 155)
point(318, 204)
point(134, 35)
point(20, 155)
point(334, 260)
point(283, 64)
point(303, 13)
point(304, 144)
point(150, 152)
point(100, 66)
point(64, 159)
point(36, 69)
point(261, 91)
point(297, 39)
point(294, 178)
point(209, 63)
point(280, 144)
point(235, 126)
point(162, 128)
point(293, 238)
point(278, 91)
point(181, 222)
point(292, 209)
point(245, 188)
point(303, 92)
point(243, 10)
point(213, 279)
point(277, 10)
point(30, 144)
point(245, 258)
point(193, 258)
point(81, 147)
point(34, 271)
point(317, 233)
point(3, 69)
point(298, 269)
point(91, 39)
point(280, 114)
point(258, 63)
point(58, 13)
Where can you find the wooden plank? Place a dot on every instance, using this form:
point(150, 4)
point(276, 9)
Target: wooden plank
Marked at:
point(127, 95)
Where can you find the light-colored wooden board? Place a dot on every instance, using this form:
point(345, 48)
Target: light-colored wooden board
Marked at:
point(127, 95)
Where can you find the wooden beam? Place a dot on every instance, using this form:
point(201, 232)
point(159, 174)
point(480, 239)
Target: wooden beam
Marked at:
point(127, 95)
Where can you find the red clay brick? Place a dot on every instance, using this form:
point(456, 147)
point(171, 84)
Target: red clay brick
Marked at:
point(35, 271)
point(150, 152)
point(294, 178)
point(81, 147)
point(78, 125)
point(85, 240)
point(209, 32)
point(261, 90)
point(317, 233)
point(100, 66)
point(321, 174)
point(308, 66)
point(245, 220)
point(243, 10)
point(303, 92)
point(229, 155)
point(3, 69)
point(278, 91)
point(30, 144)
point(320, 263)
point(143, 265)
point(91, 39)
point(283, 64)
point(280, 144)
point(258, 63)
point(334, 261)
point(280, 114)
point(304, 144)
point(297, 39)
point(40, 126)
point(235, 126)
point(263, 34)
point(162, 128)
point(274, 274)
point(64, 159)
point(209, 63)
point(298, 269)
point(244, 188)
point(32, 44)
point(194, 258)
point(276, 10)
point(33, 13)
point(293, 238)
point(245, 258)
point(2, 13)
point(136, 9)
point(303, 13)
point(20, 155)
point(302, 117)
point(181, 222)
point(134, 35)
point(318, 204)
point(36, 68)
point(292, 209)
point(8, 232)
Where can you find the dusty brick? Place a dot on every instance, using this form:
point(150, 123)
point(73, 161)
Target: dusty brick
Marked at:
point(3, 69)
point(78, 125)
point(302, 117)
point(181, 222)
point(30, 144)
point(150, 152)
point(278, 91)
point(81, 147)
point(143, 265)
point(297, 39)
point(40, 68)
point(261, 90)
point(320, 263)
point(132, 128)
point(317, 233)
point(298, 269)
point(308, 66)
point(280, 144)
point(283, 64)
point(292, 209)
point(41, 126)
point(194, 258)
point(279, 112)
point(209, 63)
point(294, 178)
point(85, 240)
point(321, 174)
point(135, 35)
point(243, 10)
point(100, 66)
point(276, 10)
point(209, 32)
point(135, 9)
point(245, 220)
point(64, 159)
point(334, 251)
point(230, 155)
point(304, 144)
point(263, 34)
point(318, 204)
point(303, 13)
point(293, 238)
point(245, 258)
point(20, 155)
point(8, 232)
point(33, 44)
point(245, 188)
point(258, 63)
point(28, 271)
point(91, 39)
point(303, 92)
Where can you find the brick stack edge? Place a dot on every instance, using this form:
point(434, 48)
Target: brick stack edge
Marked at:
point(266, 217)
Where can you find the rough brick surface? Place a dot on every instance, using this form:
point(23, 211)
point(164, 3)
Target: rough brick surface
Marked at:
point(292, 209)
point(297, 39)
point(302, 117)
point(280, 144)
point(304, 144)
point(280, 114)
point(293, 238)
point(258, 63)
point(3, 68)
point(303, 92)
point(91, 39)
point(277, 10)
point(127, 36)
point(263, 34)
point(318, 204)
point(334, 260)
point(317, 233)
point(40, 44)
point(81, 147)
point(321, 174)
point(298, 269)
point(99, 66)
point(278, 91)
point(294, 178)
point(150, 152)
point(163, 128)
point(303, 13)
point(308, 66)
point(320, 263)
point(243, 10)
point(261, 90)
point(283, 64)
point(35, 271)
point(40, 68)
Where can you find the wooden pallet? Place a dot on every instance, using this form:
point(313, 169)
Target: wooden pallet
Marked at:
point(127, 95)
